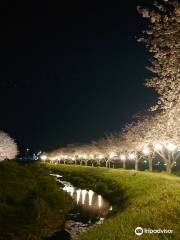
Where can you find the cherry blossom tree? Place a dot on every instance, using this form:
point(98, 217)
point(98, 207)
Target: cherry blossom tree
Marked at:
point(163, 41)
point(8, 147)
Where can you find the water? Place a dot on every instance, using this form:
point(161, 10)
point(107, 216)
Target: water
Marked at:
point(90, 208)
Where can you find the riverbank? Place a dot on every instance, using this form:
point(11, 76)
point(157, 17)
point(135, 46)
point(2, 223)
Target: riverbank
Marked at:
point(31, 204)
point(148, 200)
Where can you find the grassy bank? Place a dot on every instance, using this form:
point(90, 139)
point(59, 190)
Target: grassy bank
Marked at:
point(31, 203)
point(148, 200)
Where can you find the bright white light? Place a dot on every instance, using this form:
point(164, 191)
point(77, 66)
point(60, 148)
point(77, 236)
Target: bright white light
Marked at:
point(146, 151)
point(43, 157)
point(91, 156)
point(78, 192)
point(122, 157)
point(112, 155)
point(100, 156)
point(131, 156)
point(90, 193)
point(158, 146)
point(85, 156)
point(83, 196)
point(171, 147)
point(99, 201)
point(69, 189)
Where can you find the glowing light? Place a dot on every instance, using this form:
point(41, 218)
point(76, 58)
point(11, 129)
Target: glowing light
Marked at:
point(122, 157)
point(146, 151)
point(85, 156)
point(91, 156)
point(112, 155)
point(171, 147)
point(83, 196)
point(100, 156)
point(158, 146)
point(90, 193)
point(131, 156)
point(99, 201)
point(69, 189)
point(43, 157)
point(78, 194)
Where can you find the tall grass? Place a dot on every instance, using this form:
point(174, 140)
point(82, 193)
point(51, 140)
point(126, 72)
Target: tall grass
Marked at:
point(31, 203)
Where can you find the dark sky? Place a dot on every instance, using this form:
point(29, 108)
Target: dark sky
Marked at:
point(70, 73)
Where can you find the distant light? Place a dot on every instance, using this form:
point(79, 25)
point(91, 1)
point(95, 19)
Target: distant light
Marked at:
point(171, 147)
point(131, 156)
point(43, 157)
point(158, 146)
point(112, 155)
point(146, 151)
point(85, 156)
point(122, 157)
point(91, 156)
point(100, 156)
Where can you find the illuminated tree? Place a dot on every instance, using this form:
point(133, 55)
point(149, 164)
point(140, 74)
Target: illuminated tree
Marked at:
point(8, 147)
point(163, 41)
point(165, 136)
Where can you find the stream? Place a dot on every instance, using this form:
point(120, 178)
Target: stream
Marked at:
point(90, 208)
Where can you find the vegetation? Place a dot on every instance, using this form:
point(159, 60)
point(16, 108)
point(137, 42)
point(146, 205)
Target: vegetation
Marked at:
point(31, 203)
point(149, 200)
point(8, 147)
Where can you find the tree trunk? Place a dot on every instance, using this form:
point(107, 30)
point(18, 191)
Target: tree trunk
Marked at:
point(150, 165)
point(136, 165)
point(124, 164)
point(106, 163)
point(168, 168)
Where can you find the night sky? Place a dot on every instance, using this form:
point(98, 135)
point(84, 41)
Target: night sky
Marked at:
point(70, 73)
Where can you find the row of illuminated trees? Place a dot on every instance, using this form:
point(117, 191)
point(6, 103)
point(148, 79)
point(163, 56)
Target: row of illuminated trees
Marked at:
point(148, 138)
point(156, 133)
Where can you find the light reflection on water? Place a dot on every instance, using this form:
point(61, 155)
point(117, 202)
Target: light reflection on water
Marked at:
point(90, 208)
point(88, 200)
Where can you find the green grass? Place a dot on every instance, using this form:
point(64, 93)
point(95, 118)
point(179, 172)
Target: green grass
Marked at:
point(31, 203)
point(145, 199)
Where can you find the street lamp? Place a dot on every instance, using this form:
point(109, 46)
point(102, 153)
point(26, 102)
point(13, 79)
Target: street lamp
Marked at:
point(131, 156)
point(122, 157)
point(43, 157)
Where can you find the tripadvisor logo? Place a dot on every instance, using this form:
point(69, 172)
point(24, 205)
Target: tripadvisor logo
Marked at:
point(138, 231)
